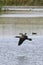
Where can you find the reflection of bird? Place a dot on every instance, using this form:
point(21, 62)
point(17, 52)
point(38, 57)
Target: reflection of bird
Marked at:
point(23, 37)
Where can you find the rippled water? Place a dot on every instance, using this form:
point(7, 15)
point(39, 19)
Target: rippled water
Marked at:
point(29, 53)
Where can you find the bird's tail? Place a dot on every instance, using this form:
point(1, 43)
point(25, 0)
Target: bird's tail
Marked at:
point(17, 36)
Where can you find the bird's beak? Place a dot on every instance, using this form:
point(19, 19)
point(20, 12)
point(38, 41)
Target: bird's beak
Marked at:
point(29, 39)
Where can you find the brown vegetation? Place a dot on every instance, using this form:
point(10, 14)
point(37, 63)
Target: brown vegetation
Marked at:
point(22, 2)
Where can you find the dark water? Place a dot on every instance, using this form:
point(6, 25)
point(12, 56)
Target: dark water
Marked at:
point(29, 53)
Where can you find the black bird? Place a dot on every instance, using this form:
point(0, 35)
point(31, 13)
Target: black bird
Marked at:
point(33, 33)
point(23, 37)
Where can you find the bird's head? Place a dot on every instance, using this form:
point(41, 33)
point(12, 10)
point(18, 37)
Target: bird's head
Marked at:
point(29, 39)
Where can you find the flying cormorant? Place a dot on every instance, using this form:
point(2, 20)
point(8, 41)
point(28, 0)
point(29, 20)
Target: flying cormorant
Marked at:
point(23, 37)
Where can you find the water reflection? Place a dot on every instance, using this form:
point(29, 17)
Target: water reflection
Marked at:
point(22, 60)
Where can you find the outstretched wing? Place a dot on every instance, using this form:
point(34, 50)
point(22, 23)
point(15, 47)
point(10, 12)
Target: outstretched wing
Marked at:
point(21, 41)
point(21, 33)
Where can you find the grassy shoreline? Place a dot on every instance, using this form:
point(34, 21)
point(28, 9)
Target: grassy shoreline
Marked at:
point(21, 2)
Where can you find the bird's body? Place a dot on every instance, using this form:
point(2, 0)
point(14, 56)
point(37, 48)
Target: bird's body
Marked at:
point(23, 37)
